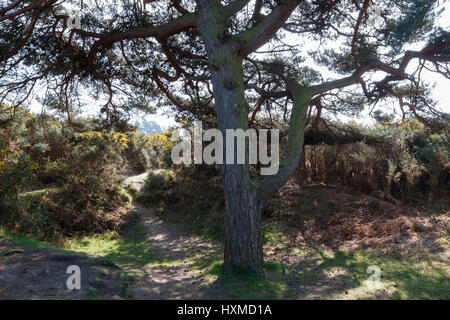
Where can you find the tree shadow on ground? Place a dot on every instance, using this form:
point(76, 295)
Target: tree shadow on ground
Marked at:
point(320, 275)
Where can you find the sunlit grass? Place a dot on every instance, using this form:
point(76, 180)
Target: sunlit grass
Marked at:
point(132, 250)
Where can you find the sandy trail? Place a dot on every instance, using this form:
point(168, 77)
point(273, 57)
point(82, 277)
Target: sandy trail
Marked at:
point(173, 278)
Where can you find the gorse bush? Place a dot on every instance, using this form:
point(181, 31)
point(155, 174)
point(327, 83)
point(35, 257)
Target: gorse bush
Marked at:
point(76, 164)
point(88, 199)
point(419, 157)
point(139, 154)
point(157, 185)
point(162, 145)
point(146, 152)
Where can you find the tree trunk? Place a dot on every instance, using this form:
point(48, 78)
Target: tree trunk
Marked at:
point(244, 194)
point(243, 247)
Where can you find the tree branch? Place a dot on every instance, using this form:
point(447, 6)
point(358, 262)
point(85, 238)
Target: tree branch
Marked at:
point(160, 32)
point(301, 96)
point(257, 36)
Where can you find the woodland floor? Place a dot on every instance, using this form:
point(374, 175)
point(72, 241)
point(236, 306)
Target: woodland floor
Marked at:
point(157, 259)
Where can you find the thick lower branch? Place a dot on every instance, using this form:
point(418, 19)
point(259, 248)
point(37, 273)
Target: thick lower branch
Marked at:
point(301, 96)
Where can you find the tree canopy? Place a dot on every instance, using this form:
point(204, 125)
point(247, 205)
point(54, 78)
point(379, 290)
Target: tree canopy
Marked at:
point(130, 52)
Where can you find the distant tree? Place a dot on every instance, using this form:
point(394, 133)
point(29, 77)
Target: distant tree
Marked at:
point(149, 127)
point(230, 60)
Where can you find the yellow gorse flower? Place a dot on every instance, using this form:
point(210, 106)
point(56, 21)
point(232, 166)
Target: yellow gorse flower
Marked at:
point(120, 139)
point(162, 140)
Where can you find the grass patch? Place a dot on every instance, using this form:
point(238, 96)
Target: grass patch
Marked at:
point(205, 224)
point(132, 250)
point(25, 241)
point(273, 235)
point(125, 196)
point(315, 274)
point(33, 196)
point(244, 285)
point(31, 242)
point(241, 284)
point(132, 190)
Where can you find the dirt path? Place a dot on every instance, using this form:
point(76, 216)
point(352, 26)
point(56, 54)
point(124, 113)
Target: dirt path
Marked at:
point(173, 278)
point(137, 181)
